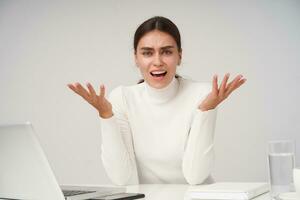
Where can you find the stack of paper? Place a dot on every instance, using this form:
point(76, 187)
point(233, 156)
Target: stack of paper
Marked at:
point(228, 190)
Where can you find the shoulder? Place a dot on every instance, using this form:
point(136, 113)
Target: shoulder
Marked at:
point(198, 87)
point(122, 90)
point(121, 94)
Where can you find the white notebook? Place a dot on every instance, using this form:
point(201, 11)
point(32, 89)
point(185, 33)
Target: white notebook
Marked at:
point(229, 190)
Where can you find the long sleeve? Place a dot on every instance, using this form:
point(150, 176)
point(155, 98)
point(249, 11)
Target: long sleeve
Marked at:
point(198, 156)
point(117, 146)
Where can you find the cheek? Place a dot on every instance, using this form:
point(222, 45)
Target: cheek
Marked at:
point(171, 62)
point(143, 64)
point(143, 70)
point(140, 60)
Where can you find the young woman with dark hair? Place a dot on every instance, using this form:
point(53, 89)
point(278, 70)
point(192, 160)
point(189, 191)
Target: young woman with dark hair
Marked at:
point(161, 130)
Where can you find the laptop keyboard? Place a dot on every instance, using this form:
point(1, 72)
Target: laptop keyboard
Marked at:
point(68, 193)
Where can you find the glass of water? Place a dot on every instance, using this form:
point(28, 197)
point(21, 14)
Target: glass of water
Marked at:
point(281, 165)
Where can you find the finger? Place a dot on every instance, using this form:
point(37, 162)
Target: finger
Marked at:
point(72, 87)
point(223, 84)
point(91, 90)
point(241, 82)
point(233, 84)
point(215, 85)
point(102, 91)
point(82, 91)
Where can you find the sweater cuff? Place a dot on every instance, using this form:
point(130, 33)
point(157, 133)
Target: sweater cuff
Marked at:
point(110, 129)
point(204, 122)
point(198, 112)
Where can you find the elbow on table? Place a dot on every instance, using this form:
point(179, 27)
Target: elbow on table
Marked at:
point(120, 181)
point(118, 175)
point(197, 175)
point(196, 180)
point(117, 178)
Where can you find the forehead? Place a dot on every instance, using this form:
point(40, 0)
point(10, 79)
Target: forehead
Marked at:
point(156, 39)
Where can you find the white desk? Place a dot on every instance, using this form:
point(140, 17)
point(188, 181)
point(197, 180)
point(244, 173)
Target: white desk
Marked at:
point(163, 191)
point(170, 191)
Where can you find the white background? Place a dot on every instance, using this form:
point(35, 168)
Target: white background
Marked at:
point(45, 45)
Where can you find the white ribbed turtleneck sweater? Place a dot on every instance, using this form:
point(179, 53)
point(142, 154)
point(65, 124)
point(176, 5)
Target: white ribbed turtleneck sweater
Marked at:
point(159, 135)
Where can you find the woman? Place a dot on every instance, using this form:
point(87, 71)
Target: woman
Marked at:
point(161, 130)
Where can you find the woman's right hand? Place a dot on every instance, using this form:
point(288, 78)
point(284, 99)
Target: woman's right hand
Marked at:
point(99, 102)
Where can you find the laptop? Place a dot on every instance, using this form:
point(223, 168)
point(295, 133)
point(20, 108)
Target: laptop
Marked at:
point(26, 174)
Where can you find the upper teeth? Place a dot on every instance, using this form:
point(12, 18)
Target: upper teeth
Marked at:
point(158, 72)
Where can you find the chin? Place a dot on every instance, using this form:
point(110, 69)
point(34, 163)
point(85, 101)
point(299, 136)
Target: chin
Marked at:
point(159, 84)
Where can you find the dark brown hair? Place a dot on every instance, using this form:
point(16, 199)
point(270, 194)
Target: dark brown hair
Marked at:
point(157, 23)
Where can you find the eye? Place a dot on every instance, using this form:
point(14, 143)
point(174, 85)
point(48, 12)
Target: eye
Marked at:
point(147, 53)
point(167, 52)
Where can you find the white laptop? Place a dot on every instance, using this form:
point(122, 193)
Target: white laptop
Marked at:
point(26, 174)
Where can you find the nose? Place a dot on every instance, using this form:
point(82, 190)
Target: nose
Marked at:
point(157, 60)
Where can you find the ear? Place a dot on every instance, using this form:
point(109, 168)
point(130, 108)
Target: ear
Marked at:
point(135, 59)
point(180, 56)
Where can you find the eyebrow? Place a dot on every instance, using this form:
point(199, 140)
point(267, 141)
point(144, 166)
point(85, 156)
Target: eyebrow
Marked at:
point(163, 48)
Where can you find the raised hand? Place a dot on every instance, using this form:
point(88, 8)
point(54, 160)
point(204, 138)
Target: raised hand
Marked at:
point(99, 102)
point(217, 95)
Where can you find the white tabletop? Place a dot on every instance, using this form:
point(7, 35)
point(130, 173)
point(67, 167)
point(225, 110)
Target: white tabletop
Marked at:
point(160, 191)
point(170, 191)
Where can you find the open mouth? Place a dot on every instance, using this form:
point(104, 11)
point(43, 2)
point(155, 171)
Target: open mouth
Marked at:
point(158, 73)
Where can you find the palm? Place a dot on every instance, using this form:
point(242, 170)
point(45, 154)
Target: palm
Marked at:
point(99, 102)
point(219, 94)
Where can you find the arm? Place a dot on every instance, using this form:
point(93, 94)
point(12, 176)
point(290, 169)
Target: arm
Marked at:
point(117, 149)
point(199, 155)
point(117, 146)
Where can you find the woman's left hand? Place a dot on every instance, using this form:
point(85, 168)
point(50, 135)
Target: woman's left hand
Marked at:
point(217, 95)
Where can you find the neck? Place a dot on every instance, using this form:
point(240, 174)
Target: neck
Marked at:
point(164, 94)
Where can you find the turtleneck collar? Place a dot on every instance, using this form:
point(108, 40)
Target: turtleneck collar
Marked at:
point(164, 94)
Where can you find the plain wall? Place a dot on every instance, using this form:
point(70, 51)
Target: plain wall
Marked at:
point(46, 44)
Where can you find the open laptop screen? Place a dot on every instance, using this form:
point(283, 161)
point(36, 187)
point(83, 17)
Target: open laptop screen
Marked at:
point(24, 170)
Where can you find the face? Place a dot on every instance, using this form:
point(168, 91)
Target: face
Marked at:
point(157, 57)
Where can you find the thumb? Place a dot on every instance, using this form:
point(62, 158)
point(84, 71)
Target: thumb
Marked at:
point(102, 91)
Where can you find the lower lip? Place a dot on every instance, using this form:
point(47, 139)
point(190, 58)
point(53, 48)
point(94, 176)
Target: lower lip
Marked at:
point(158, 78)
